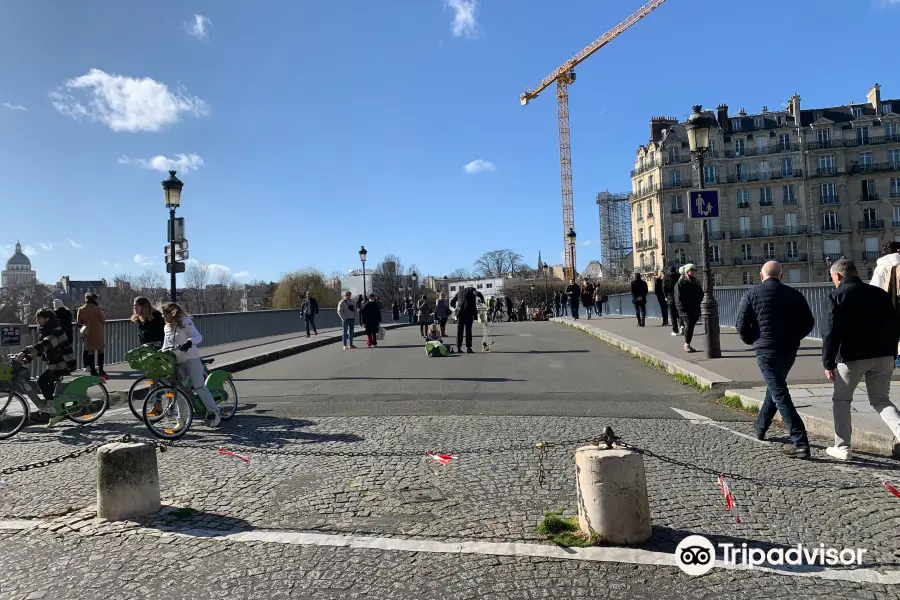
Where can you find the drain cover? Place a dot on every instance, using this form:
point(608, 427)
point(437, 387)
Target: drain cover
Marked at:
point(424, 495)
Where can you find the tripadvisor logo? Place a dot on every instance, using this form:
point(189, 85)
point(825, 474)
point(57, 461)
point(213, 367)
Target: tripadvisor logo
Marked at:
point(696, 555)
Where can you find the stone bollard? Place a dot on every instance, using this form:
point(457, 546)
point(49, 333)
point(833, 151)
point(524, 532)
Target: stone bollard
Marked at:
point(127, 481)
point(612, 495)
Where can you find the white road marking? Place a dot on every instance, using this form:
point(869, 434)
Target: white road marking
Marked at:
point(696, 419)
point(594, 554)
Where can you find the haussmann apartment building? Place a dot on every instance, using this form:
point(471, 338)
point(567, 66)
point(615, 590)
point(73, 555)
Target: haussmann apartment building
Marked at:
point(804, 186)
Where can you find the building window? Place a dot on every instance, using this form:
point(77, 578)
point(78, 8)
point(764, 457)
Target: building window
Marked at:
point(650, 183)
point(784, 140)
point(640, 235)
point(738, 146)
point(709, 174)
point(826, 164)
point(715, 254)
point(717, 279)
point(790, 220)
point(765, 196)
point(787, 166)
point(869, 217)
point(896, 219)
point(792, 250)
point(830, 221)
point(744, 224)
point(452, 288)
point(675, 177)
point(758, 122)
point(746, 251)
point(862, 135)
point(639, 209)
point(736, 124)
point(674, 155)
point(865, 158)
point(740, 171)
point(478, 286)
point(680, 256)
point(886, 108)
point(890, 130)
point(677, 204)
point(894, 158)
point(769, 249)
point(763, 169)
point(828, 192)
point(833, 248)
point(489, 285)
point(857, 111)
point(743, 197)
point(650, 234)
point(746, 278)
point(787, 194)
point(823, 136)
point(795, 276)
point(895, 187)
point(868, 189)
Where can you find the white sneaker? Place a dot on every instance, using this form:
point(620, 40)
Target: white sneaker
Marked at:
point(688, 348)
point(674, 334)
point(843, 453)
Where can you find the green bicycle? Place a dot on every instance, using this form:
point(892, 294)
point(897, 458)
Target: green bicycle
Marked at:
point(82, 400)
point(169, 407)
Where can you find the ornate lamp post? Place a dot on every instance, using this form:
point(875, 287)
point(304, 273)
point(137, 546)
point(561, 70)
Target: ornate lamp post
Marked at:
point(546, 274)
point(571, 237)
point(362, 257)
point(698, 128)
point(415, 280)
point(172, 189)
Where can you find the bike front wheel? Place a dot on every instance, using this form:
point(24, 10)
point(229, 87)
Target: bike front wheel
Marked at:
point(13, 415)
point(228, 406)
point(137, 393)
point(176, 416)
point(91, 406)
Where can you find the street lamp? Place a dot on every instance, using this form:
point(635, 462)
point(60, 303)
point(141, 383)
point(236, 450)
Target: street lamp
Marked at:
point(172, 189)
point(362, 257)
point(571, 237)
point(828, 262)
point(415, 280)
point(698, 128)
point(546, 274)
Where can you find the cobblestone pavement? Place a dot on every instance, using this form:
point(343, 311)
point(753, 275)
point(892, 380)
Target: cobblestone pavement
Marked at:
point(354, 474)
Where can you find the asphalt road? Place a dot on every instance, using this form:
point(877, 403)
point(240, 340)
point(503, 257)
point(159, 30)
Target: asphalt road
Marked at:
point(532, 369)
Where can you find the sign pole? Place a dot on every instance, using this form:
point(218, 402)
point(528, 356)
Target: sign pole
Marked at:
point(709, 307)
point(174, 283)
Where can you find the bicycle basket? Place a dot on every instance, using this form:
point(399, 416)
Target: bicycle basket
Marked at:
point(135, 358)
point(6, 372)
point(159, 365)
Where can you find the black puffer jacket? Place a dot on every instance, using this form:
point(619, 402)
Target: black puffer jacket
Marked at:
point(860, 323)
point(688, 296)
point(774, 317)
point(669, 287)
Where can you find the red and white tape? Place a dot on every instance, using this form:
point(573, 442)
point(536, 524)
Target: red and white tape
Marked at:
point(729, 498)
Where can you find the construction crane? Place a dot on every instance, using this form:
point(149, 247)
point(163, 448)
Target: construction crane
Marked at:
point(564, 76)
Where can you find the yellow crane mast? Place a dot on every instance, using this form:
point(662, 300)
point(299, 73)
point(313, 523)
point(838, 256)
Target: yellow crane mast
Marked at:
point(565, 76)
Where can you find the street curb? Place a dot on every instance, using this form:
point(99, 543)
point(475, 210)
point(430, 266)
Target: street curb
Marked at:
point(704, 378)
point(868, 441)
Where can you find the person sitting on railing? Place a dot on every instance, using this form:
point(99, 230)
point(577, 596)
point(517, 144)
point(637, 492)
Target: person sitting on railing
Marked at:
point(56, 349)
point(181, 335)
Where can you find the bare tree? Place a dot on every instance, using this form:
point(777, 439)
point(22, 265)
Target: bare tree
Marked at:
point(460, 273)
point(151, 285)
point(20, 302)
point(196, 278)
point(498, 263)
point(387, 280)
point(221, 295)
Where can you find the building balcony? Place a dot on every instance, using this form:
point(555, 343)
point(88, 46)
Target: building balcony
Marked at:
point(743, 234)
point(787, 201)
point(647, 167)
point(829, 171)
point(826, 144)
point(680, 239)
point(752, 260)
point(646, 190)
point(794, 258)
point(680, 159)
point(884, 167)
point(795, 230)
point(764, 176)
point(716, 235)
point(871, 224)
point(676, 185)
point(743, 205)
point(871, 141)
point(765, 150)
point(831, 228)
point(895, 195)
point(832, 257)
point(871, 255)
point(645, 244)
point(829, 199)
point(716, 262)
point(767, 203)
point(677, 211)
point(870, 198)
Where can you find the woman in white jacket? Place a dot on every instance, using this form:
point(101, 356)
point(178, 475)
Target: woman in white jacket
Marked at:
point(890, 258)
point(182, 337)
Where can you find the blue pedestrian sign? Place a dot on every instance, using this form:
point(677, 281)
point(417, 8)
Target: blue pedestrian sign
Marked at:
point(704, 204)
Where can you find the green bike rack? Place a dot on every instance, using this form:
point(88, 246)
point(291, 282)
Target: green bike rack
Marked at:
point(215, 381)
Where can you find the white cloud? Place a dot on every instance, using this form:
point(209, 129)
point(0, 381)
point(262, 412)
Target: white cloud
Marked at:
point(479, 166)
point(75, 244)
point(144, 261)
point(105, 263)
point(464, 22)
point(46, 247)
point(29, 250)
point(181, 163)
point(590, 242)
point(199, 28)
point(14, 106)
point(241, 274)
point(887, 3)
point(126, 103)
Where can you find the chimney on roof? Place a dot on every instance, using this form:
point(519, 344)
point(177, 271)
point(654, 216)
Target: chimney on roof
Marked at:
point(794, 108)
point(658, 125)
point(722, 116)
point(742, 113)
point(874, 98)
point(765, 109)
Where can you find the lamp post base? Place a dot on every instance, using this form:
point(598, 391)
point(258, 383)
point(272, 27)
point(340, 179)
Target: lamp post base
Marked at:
point(709, 309)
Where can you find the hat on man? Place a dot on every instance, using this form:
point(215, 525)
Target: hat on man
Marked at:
point(58, 303)
point(689, 267)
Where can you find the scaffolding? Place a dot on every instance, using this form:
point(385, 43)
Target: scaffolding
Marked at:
point(615, 231)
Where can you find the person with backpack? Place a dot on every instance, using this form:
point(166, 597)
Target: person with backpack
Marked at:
point(639, 299)
point(466, 300)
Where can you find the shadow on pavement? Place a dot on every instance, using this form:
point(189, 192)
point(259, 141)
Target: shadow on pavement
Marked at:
point(482, 379)
point(172, 519)
point(539, 351)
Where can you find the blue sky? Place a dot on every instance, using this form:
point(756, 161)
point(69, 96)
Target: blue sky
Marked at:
point(310, 128)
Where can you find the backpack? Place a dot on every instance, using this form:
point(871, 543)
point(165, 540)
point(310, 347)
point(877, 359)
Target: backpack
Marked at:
point(893, 288)
point(436, 348)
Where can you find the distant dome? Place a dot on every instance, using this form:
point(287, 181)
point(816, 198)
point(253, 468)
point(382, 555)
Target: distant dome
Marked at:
point(18, 259)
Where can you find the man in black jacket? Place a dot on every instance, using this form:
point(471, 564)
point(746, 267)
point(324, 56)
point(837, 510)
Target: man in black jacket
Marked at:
point(859, 343)
point(774, 318)
point(688, 298)
point(659, 292)
point(467, 301)
point(557, 303)
point(669, 292)
point(639, 298)
point(309, 309)
point(574, 296)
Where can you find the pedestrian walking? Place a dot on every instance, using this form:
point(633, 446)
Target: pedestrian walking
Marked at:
point(64, 316)
point(466, 300)
point(660, 292)
point(639, 299)
point(509, 309)
point(442, 312)
point(859, 344)
point(669, 291)
point(598, 300)
point(423, 315)
point(773, 319)
point(688, 296)
point(587, 296)
point(346, 310)
point(887, 263)
point(573, 293)
point(370, 315)
point(395, 311)
point(309, 309)
point(557, 303)
point(90, 322)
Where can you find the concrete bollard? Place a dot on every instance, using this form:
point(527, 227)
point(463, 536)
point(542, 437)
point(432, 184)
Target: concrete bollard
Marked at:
point(612, 495)
point(127, 481)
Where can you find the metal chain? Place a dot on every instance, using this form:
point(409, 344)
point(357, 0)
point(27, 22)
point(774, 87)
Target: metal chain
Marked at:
point(51, 461)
